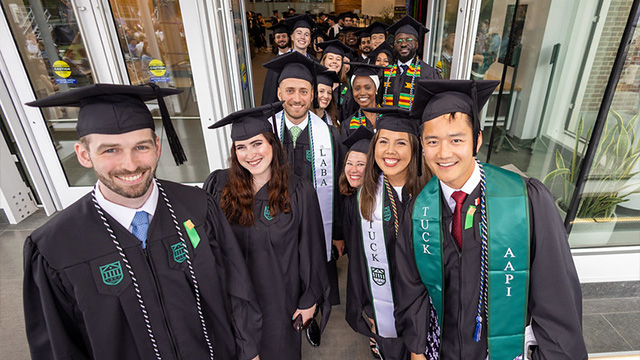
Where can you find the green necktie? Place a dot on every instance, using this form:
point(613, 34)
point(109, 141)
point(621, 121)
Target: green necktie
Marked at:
point(295, 132)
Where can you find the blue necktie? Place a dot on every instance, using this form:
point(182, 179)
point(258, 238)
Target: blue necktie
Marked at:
point(404, 68)
point(139, 227)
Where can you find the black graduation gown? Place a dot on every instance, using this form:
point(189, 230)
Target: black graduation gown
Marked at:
point(286, 261)
point(555, 300)
point(346, 131)
point(399, 83)
point(358, 292)
point(75, 311)
point(300, 166)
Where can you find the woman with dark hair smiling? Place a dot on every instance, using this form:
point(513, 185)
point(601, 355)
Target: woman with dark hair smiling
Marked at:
point(365, 81)
point(392, 176)
point(275, 216)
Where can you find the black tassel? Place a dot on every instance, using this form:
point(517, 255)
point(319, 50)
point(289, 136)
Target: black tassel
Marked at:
point(314, 83)
point(476, 116)
point(174, 141)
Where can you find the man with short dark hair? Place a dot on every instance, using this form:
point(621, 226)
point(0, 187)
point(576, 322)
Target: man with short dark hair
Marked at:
point(139, 268)
point(400, 80)
point(484, 265)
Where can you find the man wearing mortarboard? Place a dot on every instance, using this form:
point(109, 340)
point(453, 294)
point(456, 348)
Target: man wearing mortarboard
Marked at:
point(283, 45)
point(400, 79)
point(139, 268)
point(311, 145)
point(378, 33)
point(484, 245)
point(364, 44)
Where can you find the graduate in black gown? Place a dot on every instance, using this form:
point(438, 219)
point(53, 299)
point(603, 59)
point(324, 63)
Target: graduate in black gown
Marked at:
point(365, 82)
point(335, 55)
point(312, 146)
point(276, 219)
point(283, 44)
point(479, 214)
point(139, 268)
point(392, 177)
point(400, 80)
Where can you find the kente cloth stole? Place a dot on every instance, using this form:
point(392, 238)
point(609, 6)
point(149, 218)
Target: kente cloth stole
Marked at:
point(321, 158)
point(357, 121)
point(508, 241)
point(377, 262)
point(405, 96)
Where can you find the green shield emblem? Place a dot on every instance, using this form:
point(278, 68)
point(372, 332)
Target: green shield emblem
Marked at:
point(179, 255)
point(267, 213)
point(386, 214)
point(111, 273)
point(309, 155)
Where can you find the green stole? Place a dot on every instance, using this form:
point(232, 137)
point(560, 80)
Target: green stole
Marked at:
point(507, 209)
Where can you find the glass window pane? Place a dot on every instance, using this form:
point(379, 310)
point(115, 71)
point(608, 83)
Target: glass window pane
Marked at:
point(552, 93)
point(445, 22)
point(55, 58)
point(153, 44)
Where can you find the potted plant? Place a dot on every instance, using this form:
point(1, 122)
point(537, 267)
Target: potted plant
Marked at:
point(610, 180)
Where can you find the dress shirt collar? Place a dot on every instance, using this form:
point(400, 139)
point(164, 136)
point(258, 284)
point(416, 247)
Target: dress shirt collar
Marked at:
point(467, 188)
point(124, 215)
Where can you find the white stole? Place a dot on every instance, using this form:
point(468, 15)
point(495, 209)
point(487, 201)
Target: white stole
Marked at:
point(379, 274)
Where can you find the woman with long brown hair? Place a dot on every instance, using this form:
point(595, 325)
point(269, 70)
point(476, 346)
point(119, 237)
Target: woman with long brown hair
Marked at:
point(276, 218)
point(392, 176)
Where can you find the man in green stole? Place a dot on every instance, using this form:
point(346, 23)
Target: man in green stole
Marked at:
point(400, 80)
point(484, 245)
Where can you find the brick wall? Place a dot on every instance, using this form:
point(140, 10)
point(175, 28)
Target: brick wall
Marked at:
point(605, 55)
point(347, 5)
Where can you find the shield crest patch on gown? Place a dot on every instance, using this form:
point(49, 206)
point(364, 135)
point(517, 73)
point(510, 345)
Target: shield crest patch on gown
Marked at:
point(386, 215)
point(309, 155)
point(111, 273)
point(378, 276)
point(267, 213)
point(179, 254)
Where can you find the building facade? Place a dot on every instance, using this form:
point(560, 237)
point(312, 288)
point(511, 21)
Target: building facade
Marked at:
point(555, 58)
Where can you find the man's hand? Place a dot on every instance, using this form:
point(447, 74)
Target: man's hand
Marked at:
point(418, 357)
point(339, 244)
point(307, 314)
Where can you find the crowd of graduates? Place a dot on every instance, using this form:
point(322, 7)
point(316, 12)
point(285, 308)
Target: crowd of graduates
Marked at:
point(359, 149)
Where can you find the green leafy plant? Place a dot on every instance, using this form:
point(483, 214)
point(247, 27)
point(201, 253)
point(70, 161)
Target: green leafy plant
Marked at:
point(613, 165)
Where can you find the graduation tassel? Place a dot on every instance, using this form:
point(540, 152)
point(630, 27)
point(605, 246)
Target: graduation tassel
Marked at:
point(174, 141)
point(477, 334)
point(476, 116)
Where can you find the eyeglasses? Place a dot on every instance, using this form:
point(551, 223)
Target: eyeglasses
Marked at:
point(405, 41)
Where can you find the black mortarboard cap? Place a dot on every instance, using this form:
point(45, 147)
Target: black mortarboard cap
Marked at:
point(297, 66)
point(359, 140)
point(363, 33)
point(279, 28)
point(346, 14)
point(347, 29)
point(320, 33)
point(248, 123)
point(364, 69)
point(394, 119)
point(408, 25)
point(385, 48)
point(300, 21)
point(117, 109)
point(335, 47)
point(377, 28)
point(434, 98)
point(328, 77)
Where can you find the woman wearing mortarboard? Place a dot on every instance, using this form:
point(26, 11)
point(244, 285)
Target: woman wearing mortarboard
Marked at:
point(275, 216)
point(392, 177)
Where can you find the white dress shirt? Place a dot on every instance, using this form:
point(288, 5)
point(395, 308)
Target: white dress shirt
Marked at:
point(467, 188)
point(124, 215)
